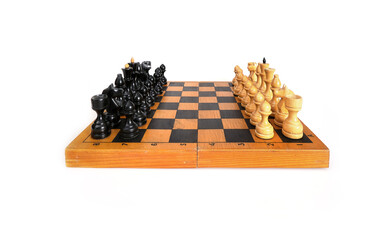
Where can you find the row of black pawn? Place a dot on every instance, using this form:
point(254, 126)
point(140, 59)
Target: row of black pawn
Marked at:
point(132, 96)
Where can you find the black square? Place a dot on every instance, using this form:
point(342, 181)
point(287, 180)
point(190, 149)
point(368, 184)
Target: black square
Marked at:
point(226, 89)
point(187, 114)
point(238, 135)
point(250, 126)
point(241, 107)
point(231, 114)
point(176, 84)
point(210, 124)
point(158, 99)
point(173, 93)
point(190, 88)
point(207, 94)
point(304, 139)
point(226, 99)
point(208, 106)
point(161, 123)
point(151, 114)
point(231, 84)
point(137, 139)
point(168, 106)
point(183, 136)
point(189, 99)
point(206, 84)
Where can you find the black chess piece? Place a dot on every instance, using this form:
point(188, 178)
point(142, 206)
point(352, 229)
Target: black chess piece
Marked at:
point(130, 128)
point(127, 71)
point(152, 93)
point(157, 76)
point(114, 96)
point(146, 66)
point(139, 116)
point(163, 78)
point(137, 76)
point(147, 100)
point(119, 81)
point(99, 128)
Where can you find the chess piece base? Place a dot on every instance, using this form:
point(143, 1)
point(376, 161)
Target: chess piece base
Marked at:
point(100, 134)
point(292, 135)
point(264, 136)
point(128, 135)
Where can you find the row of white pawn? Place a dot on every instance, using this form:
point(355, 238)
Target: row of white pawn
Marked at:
point(261, 95)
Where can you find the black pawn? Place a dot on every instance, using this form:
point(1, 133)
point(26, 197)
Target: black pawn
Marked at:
point(130, 129)
point(139, 116)
point(152, 92)
point(100, 129)
point(119, 81)
point(146, 99)
point(163, 78)
point(157, 76)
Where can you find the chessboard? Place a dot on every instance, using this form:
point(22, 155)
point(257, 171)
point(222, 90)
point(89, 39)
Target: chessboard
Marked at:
point(198, 124)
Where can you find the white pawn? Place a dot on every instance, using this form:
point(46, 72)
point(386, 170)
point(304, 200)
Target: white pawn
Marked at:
point(264, 129)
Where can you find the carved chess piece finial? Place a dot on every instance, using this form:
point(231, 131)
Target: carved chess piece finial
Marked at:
point(256, 116)
point(292, 126)
point(275, 85)
point(264, 129)
point(269, 75)
point(100, 128)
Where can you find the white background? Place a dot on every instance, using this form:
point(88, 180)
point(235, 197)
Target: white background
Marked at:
point(55, 55)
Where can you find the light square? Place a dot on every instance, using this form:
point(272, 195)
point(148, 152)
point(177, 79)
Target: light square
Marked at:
point(190, 94)
point(156, 135)
point(170, 99)
point(165, 114)
point(224, 94)
point(191, 84)
point(186, 124)
point(221, 84)
point(209, 114)
point(207, 100)
point(206, 89)
point(234, 124)
point(228, 106)
point(188, 106)
point(211, 135)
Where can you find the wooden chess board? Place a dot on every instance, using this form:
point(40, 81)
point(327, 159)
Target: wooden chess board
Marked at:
point(198, 124)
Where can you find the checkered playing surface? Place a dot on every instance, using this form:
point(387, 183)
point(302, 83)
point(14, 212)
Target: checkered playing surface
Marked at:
point(191, 112)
